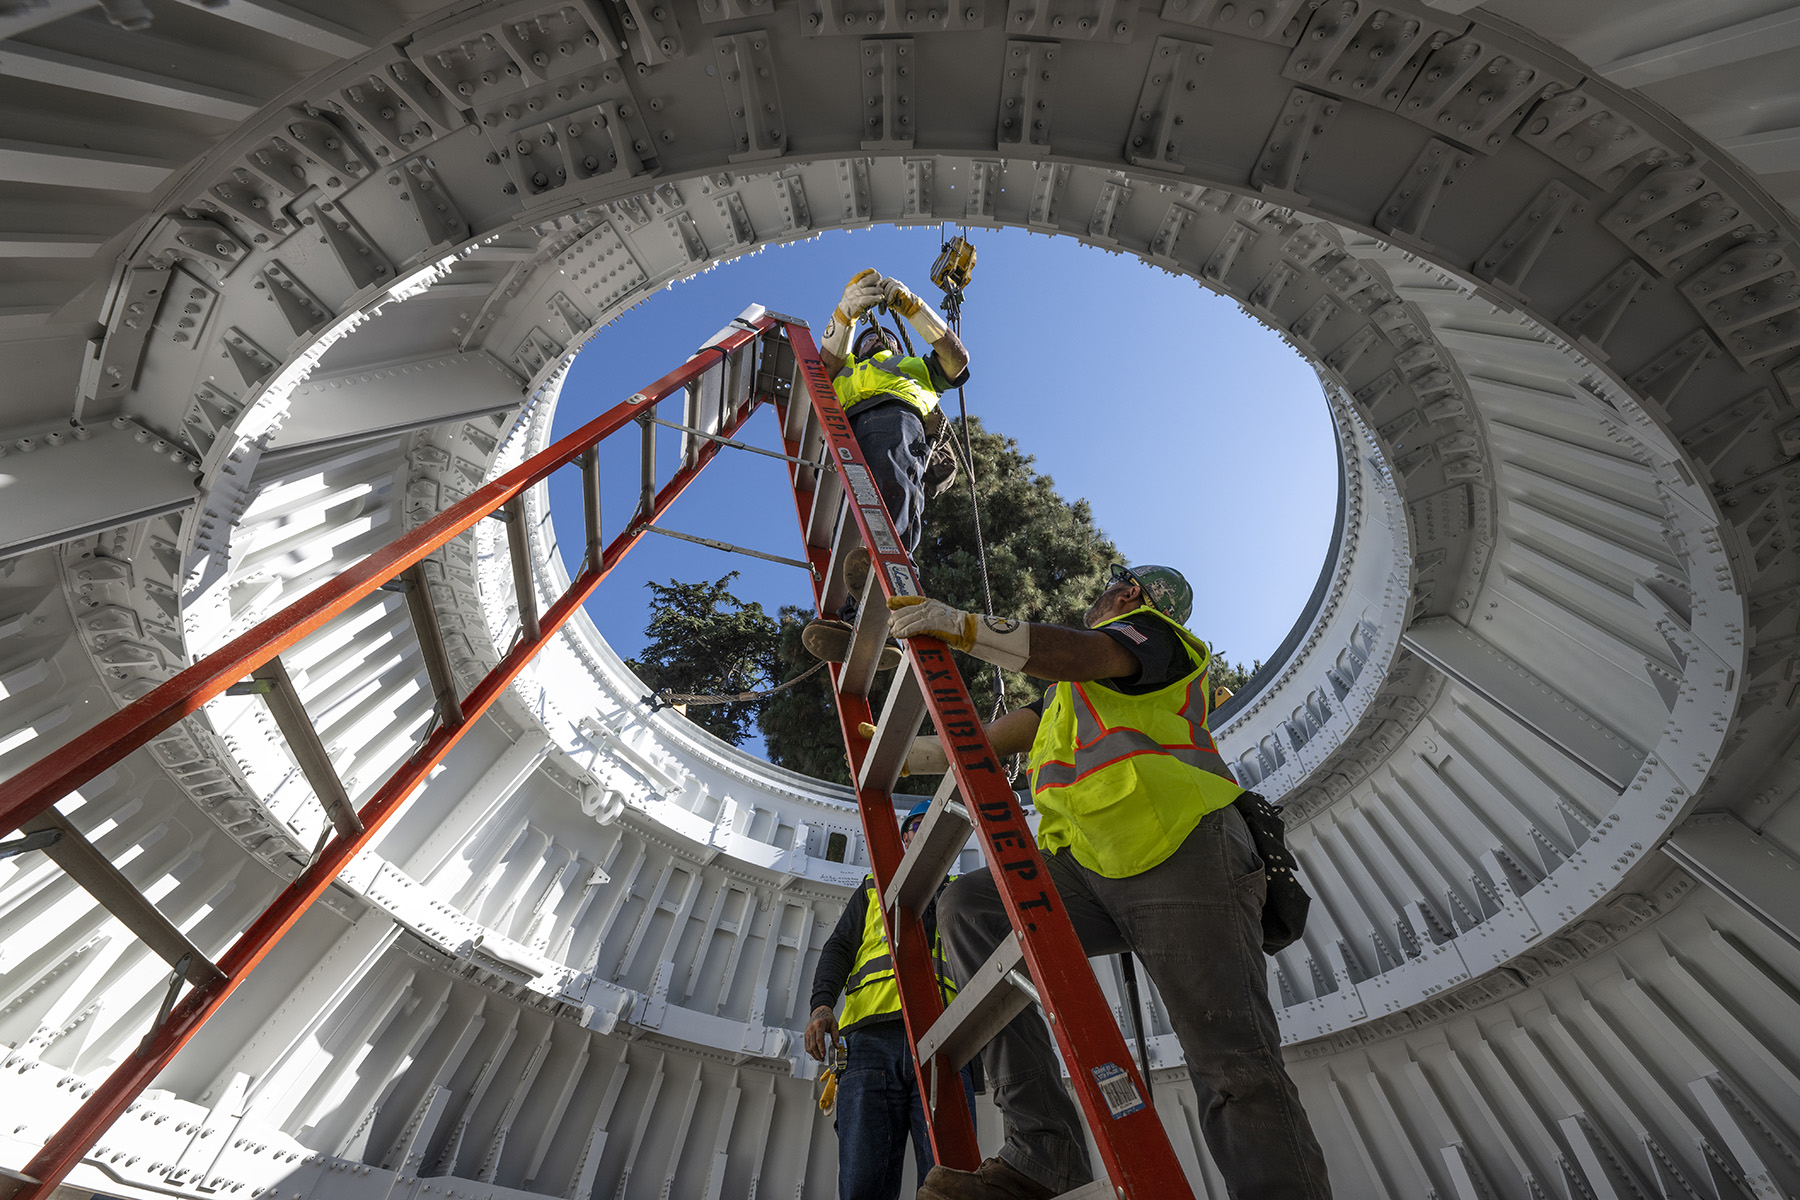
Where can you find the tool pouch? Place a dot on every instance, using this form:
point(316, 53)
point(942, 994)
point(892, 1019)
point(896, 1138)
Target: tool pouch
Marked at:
point(1286, 903)
point(942, 466)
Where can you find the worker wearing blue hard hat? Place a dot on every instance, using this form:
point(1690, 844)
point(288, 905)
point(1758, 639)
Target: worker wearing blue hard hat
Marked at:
point(878, 1103)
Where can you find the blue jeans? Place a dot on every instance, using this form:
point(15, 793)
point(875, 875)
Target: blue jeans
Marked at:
point(878, 1105)
point(892, 440)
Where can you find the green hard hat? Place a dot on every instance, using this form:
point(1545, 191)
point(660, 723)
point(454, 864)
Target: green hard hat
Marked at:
point(1166, 589)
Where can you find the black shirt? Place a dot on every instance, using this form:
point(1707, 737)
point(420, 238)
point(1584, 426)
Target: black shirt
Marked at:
point(837, 957)
point(1162, 657)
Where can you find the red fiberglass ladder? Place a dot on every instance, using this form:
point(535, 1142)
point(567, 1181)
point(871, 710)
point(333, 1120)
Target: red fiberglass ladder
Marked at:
point(762, 357)
point(1043, 962)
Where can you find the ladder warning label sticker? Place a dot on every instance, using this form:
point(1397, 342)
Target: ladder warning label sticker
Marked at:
point(1116, 1088)
point(878, 529)
point(904, 584)
point(861, 486)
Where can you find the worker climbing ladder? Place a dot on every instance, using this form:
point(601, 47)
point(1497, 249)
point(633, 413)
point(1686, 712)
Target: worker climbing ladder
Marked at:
point(761, 358)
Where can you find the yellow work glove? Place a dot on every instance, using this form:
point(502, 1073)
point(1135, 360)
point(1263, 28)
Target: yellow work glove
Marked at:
point(919, 314)
point(862, 293)
point(999, 640)
point(926, 757)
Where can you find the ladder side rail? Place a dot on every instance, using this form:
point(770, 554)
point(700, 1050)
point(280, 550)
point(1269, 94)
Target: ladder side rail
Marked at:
point(105, 743)
point(1134, 1147)
point(105, 1103)
point(947, 1114)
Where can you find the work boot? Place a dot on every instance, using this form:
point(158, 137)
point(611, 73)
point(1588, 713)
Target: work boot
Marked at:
point(856, 570)
point(830, 640)
point(993, 1180)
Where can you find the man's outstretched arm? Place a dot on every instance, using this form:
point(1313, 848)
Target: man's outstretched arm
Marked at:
point(1054, 652)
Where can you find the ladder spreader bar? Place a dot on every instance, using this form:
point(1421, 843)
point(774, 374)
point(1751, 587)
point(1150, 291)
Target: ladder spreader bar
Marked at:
point(728, 547)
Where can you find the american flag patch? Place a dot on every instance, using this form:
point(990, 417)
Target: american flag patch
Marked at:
point(1133, 634)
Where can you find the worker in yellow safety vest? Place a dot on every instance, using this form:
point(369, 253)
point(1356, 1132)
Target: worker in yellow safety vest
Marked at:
point(1150, 853)
point(888, 397)
point(878, 1103)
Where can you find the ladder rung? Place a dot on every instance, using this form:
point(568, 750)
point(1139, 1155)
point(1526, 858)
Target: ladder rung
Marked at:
point(647, 470)
point(941, 837)
point(590, 505)
point(867, 638)
point(827, 509)
point(431, 645)
point(303, 742)
point(844, 535)
point(982, 1008)
point(799, 409)
point(84, 863)
point(704, 409)
point(1100, 1189)
point(517, 547)
point(899, 724)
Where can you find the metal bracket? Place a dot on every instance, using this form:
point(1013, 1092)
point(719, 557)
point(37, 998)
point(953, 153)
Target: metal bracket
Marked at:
point(177, 977)
point(30, 842)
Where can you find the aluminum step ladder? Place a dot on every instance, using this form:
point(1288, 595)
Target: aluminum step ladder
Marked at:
point(748, 364)
point(1042, 963)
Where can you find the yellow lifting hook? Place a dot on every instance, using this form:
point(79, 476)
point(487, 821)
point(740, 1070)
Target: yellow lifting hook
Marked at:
point(955, 265)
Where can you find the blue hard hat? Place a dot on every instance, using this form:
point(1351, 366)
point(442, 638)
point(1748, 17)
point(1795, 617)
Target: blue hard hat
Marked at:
point(918, 810)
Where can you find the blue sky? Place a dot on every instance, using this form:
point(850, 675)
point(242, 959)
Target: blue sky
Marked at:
point(1200, 439)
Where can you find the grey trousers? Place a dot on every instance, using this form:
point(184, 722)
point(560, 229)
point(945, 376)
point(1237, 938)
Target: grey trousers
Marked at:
point(1195, 920)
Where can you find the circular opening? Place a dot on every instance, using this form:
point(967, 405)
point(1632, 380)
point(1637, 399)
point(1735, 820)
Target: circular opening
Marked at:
point(1193, 434)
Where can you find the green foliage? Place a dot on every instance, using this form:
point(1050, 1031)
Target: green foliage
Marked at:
point(1226, 674)
point(1046, 562)
point(800, 726)
point(704, 640)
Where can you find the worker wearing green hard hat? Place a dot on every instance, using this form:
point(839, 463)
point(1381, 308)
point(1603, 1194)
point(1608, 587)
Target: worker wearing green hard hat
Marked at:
point(1154, 849)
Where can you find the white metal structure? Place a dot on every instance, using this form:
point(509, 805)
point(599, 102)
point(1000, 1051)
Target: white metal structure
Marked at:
point(278, 280)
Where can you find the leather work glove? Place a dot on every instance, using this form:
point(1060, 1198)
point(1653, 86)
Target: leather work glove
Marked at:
point(862, 293)
point(919, 314)
point(999, 640)
point(926, 757)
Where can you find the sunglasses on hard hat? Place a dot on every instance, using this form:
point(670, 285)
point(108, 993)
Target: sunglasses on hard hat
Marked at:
point(1117, 575)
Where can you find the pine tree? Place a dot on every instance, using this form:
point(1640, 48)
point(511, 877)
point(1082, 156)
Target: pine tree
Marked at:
point(1226, 674)
point(704, 640)
point(1046, 561)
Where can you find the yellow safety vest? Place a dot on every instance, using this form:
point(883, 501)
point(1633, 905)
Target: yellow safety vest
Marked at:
point(1122, 780)
point(883, 374)
point(871, 990)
